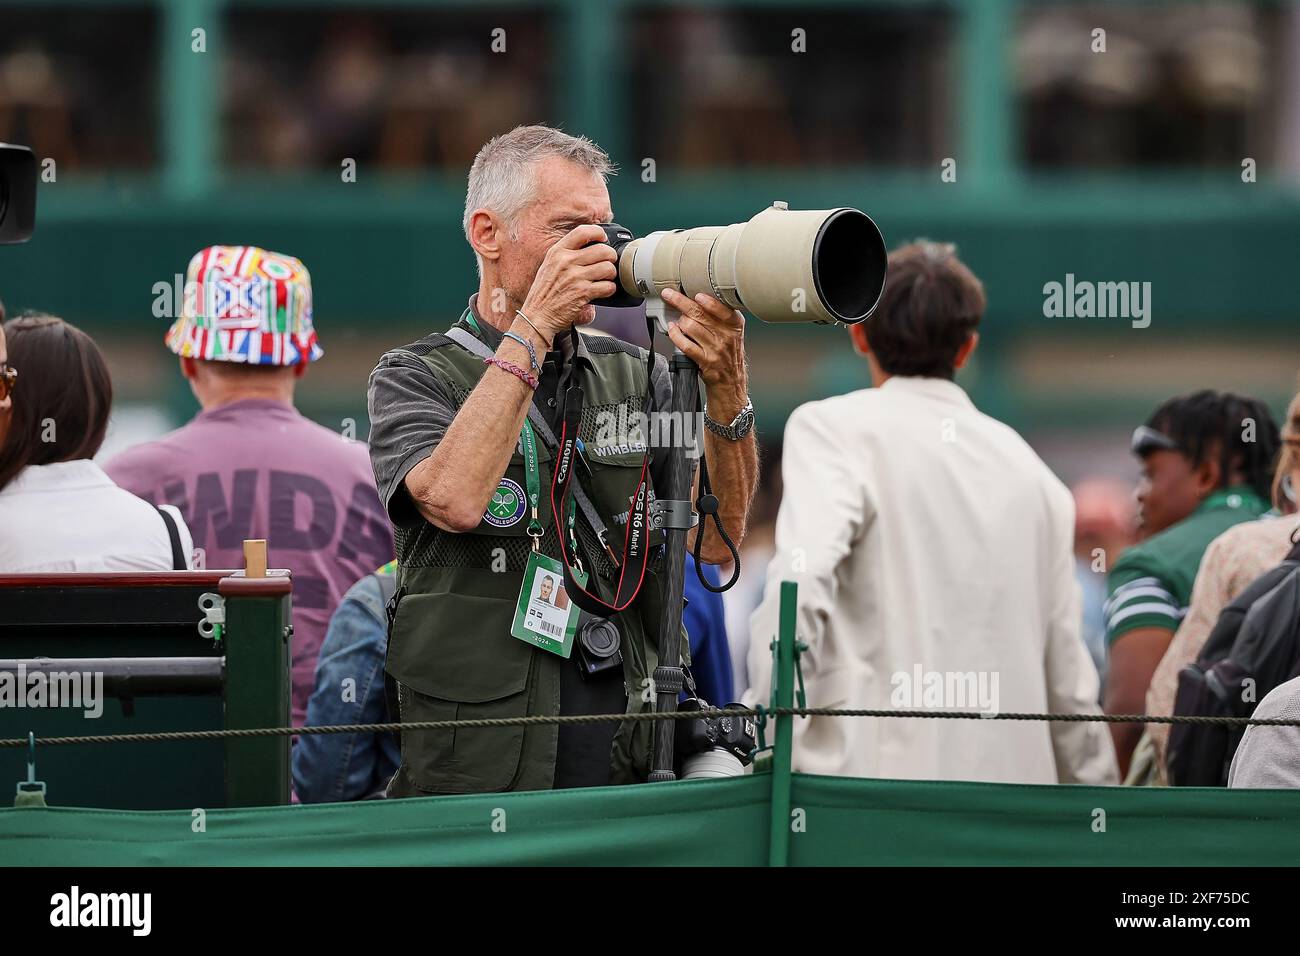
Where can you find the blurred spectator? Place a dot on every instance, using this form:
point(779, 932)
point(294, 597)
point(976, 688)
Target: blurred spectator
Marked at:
point(331, 768)
point(735, 111)
point(1232, 561)
point(1250, 651)
point(755, 554)
point(1268, 757)
point(1207, 464)
point(706, 630)
point(80, 87)
point(928, 538)
point(1103, 528)
point(1179, 85)
point(740, 87)
point(347, 85)
point(58, 510)
point(34, 105)
point(249, 465)
point(394, 88)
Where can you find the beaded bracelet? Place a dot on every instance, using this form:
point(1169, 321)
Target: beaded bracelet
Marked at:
point(532, 352)
point(528, 378)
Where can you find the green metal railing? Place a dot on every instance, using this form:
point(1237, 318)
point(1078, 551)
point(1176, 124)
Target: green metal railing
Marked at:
point(144, 629)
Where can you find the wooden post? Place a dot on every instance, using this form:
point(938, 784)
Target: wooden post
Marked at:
point(255, 558)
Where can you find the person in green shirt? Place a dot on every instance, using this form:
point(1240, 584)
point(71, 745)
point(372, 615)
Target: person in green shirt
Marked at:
point(1207, 464)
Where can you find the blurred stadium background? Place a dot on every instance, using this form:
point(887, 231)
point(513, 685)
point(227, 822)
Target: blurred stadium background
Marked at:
point(1116, 166)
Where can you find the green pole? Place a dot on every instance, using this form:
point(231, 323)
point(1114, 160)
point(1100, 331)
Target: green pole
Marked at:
point(783, 678)
point(190, 106)
point(593, 76)
point(987, 95)
point(256, 639)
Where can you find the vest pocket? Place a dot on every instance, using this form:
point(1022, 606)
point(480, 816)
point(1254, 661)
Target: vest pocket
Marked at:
point(613, 482)
point(454, 659)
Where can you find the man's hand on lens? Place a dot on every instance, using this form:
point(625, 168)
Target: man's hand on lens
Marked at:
point(712, 335)
point(577, 270)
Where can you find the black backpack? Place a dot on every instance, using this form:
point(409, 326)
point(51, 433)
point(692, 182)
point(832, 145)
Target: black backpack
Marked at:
point(1254, 647)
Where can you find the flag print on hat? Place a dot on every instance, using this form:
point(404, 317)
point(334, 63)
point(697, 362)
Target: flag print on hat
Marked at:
point(245, 304)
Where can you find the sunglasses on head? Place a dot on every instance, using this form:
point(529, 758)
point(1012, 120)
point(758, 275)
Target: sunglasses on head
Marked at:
point(8, 376)
point(1147, 440)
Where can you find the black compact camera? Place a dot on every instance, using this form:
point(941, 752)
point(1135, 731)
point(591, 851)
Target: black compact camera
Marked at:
point(17, 193)
point(599, 647)
point(618, 237)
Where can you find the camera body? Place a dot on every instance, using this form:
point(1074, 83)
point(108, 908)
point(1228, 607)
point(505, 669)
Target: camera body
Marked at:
point(598, 647)
point(17, 193)
point(618, 237)
point(720, 746)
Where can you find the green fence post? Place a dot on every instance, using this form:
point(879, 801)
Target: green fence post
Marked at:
point(986, 94)
point(593, 77)
point(783, 687)
point(256, 638)
point(191, 95)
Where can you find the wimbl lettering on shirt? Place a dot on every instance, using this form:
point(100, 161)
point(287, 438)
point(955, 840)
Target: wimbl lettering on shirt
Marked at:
point(304, 516)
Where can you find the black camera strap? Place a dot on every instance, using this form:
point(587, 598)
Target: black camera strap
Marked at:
point(707, 506)
point(636, 553)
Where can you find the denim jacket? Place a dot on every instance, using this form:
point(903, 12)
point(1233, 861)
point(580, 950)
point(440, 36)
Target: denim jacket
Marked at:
point(330, 768)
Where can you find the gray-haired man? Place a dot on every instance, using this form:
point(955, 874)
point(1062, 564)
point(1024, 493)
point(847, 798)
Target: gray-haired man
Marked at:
point(455, 463)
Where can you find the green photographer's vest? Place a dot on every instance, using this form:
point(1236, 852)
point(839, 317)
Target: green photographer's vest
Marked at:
point(451, 651)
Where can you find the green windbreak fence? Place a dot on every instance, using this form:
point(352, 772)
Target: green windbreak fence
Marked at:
point(835, 821)
point(769, 817)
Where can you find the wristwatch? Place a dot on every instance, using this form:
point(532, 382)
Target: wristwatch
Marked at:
point(740, 426)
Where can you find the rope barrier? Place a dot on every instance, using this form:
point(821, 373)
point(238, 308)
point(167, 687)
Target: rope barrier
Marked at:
point(757, 712)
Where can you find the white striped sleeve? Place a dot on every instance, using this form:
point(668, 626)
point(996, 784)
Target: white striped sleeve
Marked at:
point(1142, 602)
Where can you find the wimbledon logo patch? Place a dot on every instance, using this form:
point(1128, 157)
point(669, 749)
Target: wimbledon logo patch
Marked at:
point(507, 505)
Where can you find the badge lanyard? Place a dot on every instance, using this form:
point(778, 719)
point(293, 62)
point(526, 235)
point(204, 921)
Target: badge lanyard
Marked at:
point(533, 481)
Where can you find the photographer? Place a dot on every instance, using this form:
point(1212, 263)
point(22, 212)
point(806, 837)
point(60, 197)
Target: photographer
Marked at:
point(465, 475)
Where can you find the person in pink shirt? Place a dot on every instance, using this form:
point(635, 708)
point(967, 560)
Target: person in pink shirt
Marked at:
point(249, 465)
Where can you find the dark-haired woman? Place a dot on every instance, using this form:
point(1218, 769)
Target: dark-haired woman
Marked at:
point(58, 510)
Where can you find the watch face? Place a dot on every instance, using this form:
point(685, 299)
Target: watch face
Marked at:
point(739, 426)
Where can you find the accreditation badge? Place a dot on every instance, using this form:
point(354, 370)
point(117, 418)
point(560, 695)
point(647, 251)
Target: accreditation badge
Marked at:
point(544, 615)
